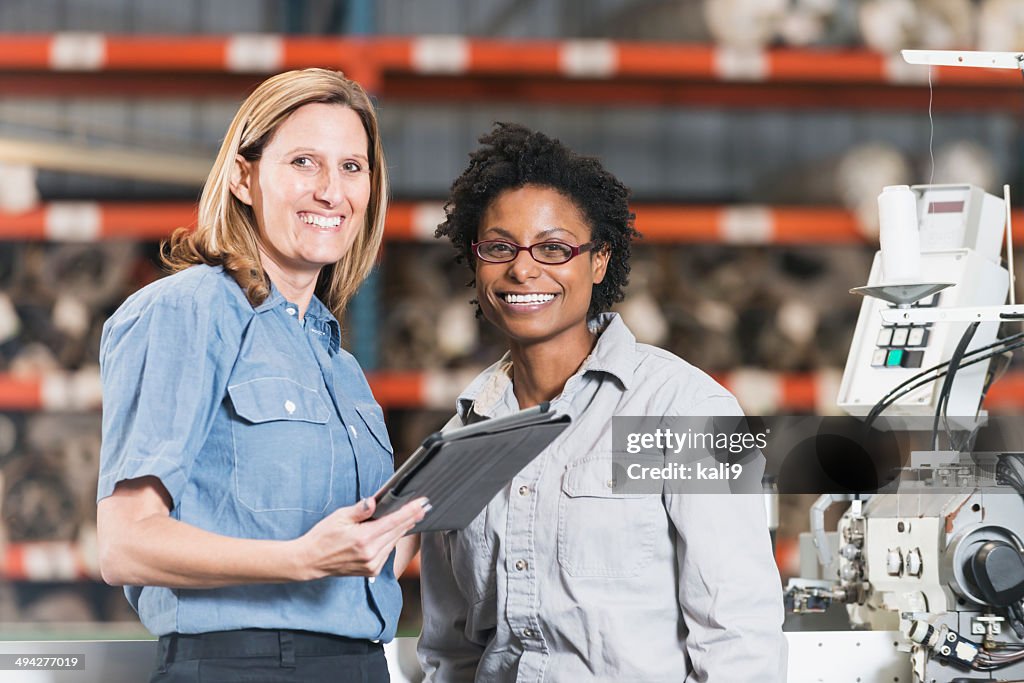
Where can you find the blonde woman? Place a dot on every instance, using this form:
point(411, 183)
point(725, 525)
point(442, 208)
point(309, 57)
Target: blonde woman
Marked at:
point(241, 443)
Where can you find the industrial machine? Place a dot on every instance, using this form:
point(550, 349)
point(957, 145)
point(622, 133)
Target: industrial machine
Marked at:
point(937, 560)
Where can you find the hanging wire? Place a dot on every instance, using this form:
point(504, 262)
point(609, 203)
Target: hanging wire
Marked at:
point(931, 127)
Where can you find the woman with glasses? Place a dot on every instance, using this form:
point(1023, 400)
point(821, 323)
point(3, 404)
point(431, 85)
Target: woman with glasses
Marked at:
point(241, 444)
point(561, 578)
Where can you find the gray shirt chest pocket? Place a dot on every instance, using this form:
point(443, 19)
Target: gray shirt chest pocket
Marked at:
point(283, 451)
point(602, 533)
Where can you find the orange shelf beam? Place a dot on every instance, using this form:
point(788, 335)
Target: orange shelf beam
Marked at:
point(456, 67)
point(411, 221)
point(761, 392)
point(447, 55)
point(758, 391)
point(49, 561)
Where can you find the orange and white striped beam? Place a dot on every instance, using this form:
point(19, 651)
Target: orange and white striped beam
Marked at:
point(48, 561)
point(409, 221)
point(56, 391)
point(760, 392)
point(368, 59)
point(416, 221)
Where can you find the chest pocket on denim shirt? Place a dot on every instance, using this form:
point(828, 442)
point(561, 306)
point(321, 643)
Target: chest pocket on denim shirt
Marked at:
point(284, 455)
point(373, 417)
point(602, 533)
point(377, 454)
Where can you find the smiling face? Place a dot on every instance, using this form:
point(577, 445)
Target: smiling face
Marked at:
point(529, 301)
point(308, 190)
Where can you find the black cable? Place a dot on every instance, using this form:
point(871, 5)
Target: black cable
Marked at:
point(1010, 470)
point(877, 409)
point(996, 370)
point(947, 384)
point(1016, 612)
point(896, 395)
point(892, 396)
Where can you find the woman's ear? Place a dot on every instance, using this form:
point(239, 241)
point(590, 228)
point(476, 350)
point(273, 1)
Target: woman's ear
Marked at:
point(241, 179)
point(599, 263)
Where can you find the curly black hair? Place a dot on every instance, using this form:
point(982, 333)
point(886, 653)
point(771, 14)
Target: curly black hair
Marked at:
point(512, 156)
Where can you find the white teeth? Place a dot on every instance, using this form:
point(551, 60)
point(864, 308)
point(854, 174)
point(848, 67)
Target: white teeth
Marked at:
point(528, 298)
point(320, 221)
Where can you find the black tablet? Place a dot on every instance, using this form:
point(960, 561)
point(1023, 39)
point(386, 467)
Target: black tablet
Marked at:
point(462, 469)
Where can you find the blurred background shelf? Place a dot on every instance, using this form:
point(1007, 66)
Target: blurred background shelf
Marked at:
point(755, 138)
point(759, 392)
point(454, 68)
point(662, 223)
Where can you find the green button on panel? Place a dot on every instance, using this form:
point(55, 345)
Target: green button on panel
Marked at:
point(895, 356)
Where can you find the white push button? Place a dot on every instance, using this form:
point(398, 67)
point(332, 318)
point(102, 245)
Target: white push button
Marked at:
point(894, 562)
point(899, 336)
point(289, 406)
point(914, 562)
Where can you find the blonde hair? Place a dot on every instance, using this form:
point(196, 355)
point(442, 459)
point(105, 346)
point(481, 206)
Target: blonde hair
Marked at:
point(226, 233)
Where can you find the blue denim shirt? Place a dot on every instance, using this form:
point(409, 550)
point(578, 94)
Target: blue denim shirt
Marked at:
point(259, 425)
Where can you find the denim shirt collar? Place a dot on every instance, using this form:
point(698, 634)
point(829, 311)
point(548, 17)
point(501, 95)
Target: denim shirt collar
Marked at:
point(317, 315)
point(491, 394)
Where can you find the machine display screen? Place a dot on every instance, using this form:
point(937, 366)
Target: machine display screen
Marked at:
point(946, 207)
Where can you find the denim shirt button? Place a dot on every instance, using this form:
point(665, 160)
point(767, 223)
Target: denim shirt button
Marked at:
point(289, 406)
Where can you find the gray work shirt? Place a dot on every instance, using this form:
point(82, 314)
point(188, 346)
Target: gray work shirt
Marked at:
point(560, 579)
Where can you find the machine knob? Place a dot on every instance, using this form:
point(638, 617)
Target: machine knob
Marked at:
point(998, 571)
point(850, 551)
point(914, 562)
point(894, 562)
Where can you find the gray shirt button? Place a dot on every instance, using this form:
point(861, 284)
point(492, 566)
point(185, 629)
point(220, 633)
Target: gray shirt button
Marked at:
point(524, 490)
point(520, 565)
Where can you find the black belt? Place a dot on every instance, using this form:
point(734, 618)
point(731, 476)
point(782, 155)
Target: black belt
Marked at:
point(284, 644)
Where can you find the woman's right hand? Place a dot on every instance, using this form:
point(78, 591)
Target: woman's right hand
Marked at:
point(348, 543)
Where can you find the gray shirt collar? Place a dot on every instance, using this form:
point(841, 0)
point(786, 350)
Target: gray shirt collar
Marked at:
point(491, 394)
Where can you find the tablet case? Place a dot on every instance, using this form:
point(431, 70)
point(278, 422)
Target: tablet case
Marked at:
point(461, 470)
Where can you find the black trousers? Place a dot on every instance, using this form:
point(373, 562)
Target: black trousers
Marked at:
point(260, 656)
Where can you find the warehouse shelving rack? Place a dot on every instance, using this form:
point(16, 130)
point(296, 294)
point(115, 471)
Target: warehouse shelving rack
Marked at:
point(457, 69)
point(661, 223)
point(585, 71)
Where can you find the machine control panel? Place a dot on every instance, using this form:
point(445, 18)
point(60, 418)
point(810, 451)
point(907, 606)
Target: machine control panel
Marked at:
point(902, 346)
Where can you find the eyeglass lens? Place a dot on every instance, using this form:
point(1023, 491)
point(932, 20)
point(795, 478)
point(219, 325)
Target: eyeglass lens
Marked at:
point(544, 252)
